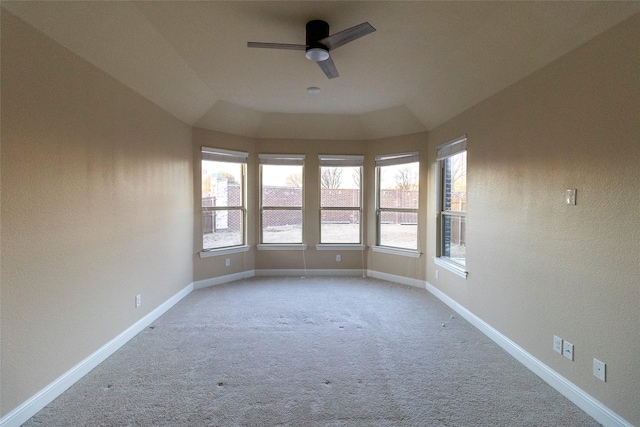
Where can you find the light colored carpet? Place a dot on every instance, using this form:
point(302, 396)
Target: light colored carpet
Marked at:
point(311, 352)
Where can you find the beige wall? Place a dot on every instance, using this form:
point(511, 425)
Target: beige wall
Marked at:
point(97, 207)
point(313, 259)
point(536, 266)
point(101, 201)
point(207, 268)
point(400, 265)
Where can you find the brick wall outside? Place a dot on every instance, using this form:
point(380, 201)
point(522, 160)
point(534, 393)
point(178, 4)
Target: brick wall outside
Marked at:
point(292, 196)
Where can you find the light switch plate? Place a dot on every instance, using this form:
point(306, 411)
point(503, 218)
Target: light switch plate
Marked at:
point(567, 350)
point(570, 196)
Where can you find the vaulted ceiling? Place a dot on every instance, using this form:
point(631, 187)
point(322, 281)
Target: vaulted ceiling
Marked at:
point(427, 61)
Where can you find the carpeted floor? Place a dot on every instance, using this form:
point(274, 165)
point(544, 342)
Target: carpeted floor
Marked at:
point(311, 352)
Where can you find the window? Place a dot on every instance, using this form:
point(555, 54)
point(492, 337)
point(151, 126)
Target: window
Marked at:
point(397, 177)
point(281, 198)
point(223, 198)
point(340, 199)
point(452, 158)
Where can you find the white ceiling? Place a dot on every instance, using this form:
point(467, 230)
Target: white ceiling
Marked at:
point(427, 61)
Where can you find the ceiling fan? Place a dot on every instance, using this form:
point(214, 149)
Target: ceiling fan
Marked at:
point(319, 43)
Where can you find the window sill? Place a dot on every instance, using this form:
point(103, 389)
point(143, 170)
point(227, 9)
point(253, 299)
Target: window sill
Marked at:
point(451, 266)
point(339, 247)
point(282, 247)
point(224, 251)
point(396, 251)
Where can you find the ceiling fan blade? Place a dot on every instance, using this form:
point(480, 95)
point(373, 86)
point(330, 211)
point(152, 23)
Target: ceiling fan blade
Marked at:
point(277, 45)
point(336, 40)
point(329, 68)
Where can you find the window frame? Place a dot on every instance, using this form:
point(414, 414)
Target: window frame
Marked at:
point(281, 160)
point(391, 160)
point(235, 157)
point(329, 160)
point(445, 151)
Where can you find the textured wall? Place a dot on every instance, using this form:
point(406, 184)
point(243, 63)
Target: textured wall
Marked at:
point(538, 267)
point(207, 268)
point(215, 266)
point(100, 203)
point(97, 207)
point(414, 268)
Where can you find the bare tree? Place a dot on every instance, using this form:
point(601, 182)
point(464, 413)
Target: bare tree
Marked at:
point(406, 179)
point(330, 178)
point(355, 176)
point(459, 171)
point(294, 179)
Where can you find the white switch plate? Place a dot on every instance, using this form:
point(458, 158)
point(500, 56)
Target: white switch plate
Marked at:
point(599, 369)
point(437, 274)
point(570, 196)
point(338, 258)
point(227, 262)
point(557, 344)
point(138, 301)
point(567, 350)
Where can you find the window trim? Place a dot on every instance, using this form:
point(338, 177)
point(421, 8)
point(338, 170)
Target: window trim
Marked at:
point(392, 250)
point(451, 266)
point(444, 151)
point(340, 247)
point(280, 160)
point(224, 251)
point(227, 156)
point(336, 160)
point(392, 160)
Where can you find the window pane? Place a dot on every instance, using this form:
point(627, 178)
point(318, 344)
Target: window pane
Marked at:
point(282, 226)
point(281, 185)
point(455, 183)
point(222, 228)
point(399, 186)
point(340, 186)
point(399, 229)
point(454, 238)
point(340, 226)
point(221, 183)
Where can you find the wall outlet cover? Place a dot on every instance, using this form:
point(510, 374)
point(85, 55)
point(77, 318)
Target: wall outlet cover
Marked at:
point(557, 344)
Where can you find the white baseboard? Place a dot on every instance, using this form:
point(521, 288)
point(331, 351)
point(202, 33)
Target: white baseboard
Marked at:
point(416, 283)
point(223, 279)
point(579, 397)
point(30, 407)
point(309, 272)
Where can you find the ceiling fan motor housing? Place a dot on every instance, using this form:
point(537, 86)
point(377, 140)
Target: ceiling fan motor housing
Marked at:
point(317, 30)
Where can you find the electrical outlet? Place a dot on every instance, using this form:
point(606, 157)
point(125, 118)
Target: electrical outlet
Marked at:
point(557, 344)
point(599, 369)
point(227, 262)
point(138, 301)
point(338, 258)
point(567, 350)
